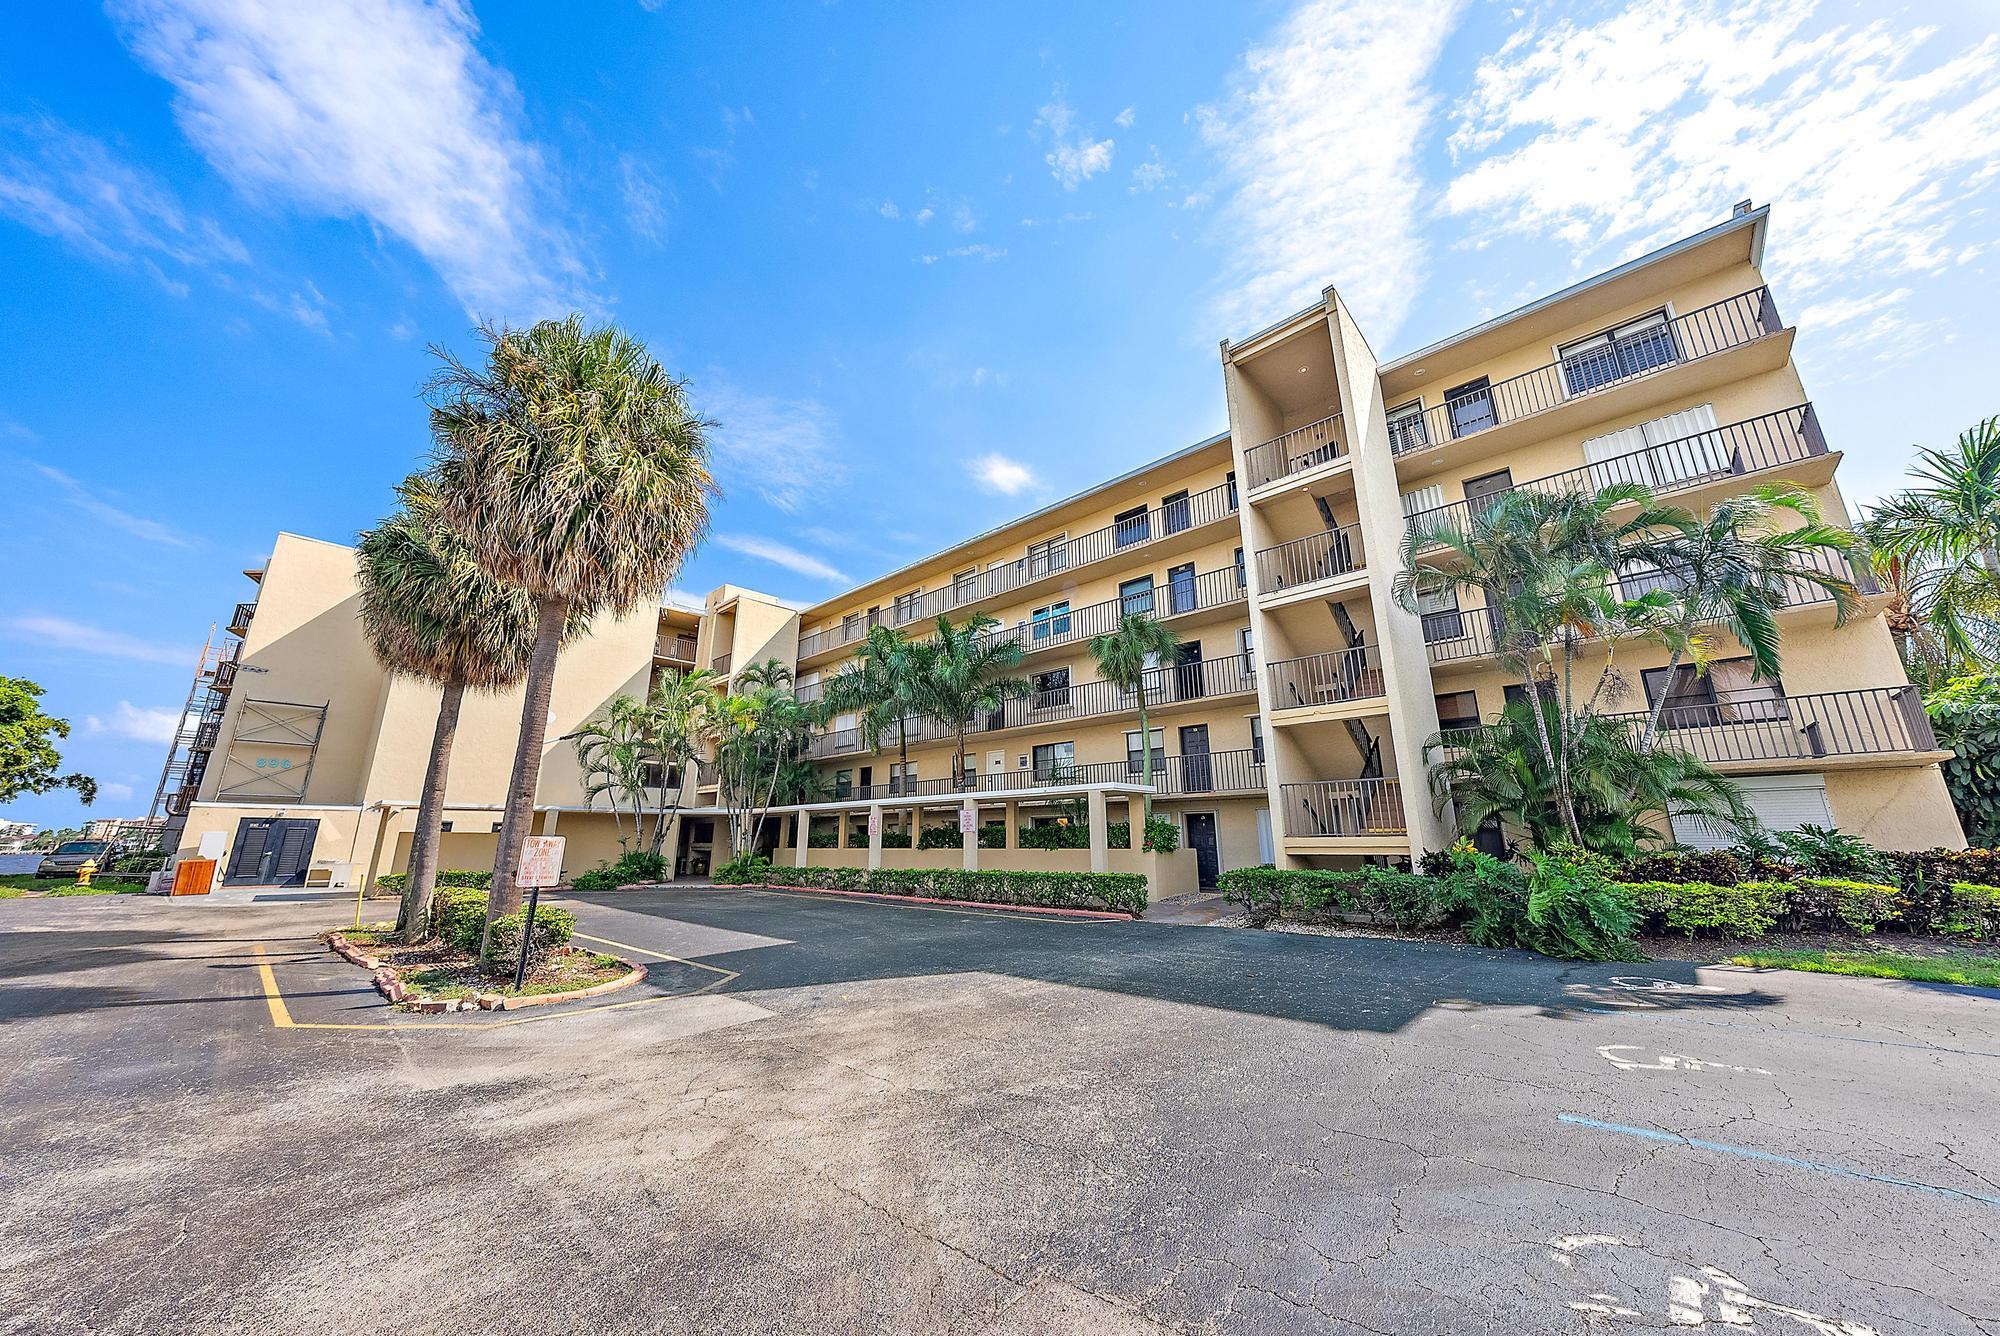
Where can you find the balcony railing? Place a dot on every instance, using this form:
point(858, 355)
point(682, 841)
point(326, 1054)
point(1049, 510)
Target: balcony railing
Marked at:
point(1473, 633)
point(1177, 516)
point(1344, 807)
point(1174, 598)
point(1296, 451)
point(206, 735)
point(805, 693)
point(675, 649)
point(1727, 324)
point(225, 675)
point(1784, 437)
point(1172, 685)
point(1764, 724)
point(720, 665)
point(1173, 776)
point(1304, 561)
point(1328, 679)
point(239, 620)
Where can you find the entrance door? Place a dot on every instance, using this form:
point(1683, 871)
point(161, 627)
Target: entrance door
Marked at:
point(1201, 839)
point(1181, 595)
point(271, 851)
point(1196, 776)
point(1187, 671)
point(1486, 485)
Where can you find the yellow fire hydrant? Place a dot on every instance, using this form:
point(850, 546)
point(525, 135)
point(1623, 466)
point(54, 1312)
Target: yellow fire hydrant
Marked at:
point(86, 872)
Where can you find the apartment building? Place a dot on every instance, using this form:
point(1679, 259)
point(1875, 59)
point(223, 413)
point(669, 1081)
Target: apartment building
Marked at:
point(1290, 724)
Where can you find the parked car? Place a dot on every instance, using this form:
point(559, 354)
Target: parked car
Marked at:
point(69, 858)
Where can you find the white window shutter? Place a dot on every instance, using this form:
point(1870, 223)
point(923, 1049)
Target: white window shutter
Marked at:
point(1617, 457)
point(1781, 802)
point(1695, 452)
point(1423, 498)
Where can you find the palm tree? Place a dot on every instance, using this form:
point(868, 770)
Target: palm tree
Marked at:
point(881, 686)
point(967, 672)
point(429, 612)
point(760, 733)
point(1734, 568)
point(573, 464)
point(613, 753)
point(1130, 657)
point(674, 717)
point(1945, 534)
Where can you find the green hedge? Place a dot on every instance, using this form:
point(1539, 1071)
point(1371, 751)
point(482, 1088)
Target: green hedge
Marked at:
point(1124, 892)
point(1974, 910)
point(1322, 894)
point(635, 865)
point(392, 883)
point(458, 916)
point(1747, 910)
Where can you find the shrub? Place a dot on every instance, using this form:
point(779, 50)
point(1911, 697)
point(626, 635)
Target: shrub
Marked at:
point(458, 916)
point(822, 839)
point(898, 839)
point(1973, 910)
point(553, 928)
point(749, 869)
point(1978, 866)
point(1162, 835)
point(1489, 896)
point(1319, 894)
point(392, 883)
point(1748, 909)
point(1053, 836)
point(1717, 867)
point(1821, 851)
point(1859, 905)
point(634, 865)
point(940, 837)
point(1576, 912)
point(1118, 891)
point(1435, 863)
point(993, 835)
point(141, 864)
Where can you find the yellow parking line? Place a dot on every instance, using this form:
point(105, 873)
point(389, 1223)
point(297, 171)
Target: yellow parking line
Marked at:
point(281, 1016)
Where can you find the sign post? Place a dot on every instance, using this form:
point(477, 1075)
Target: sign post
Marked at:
point(541, 865)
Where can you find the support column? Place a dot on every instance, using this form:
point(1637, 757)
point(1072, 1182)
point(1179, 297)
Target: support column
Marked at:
point(841, 820)
point(875, 837)
point(1100, 851)
point(549, 819)
point(803, 835)
point(971, 808)
point(1013, 839)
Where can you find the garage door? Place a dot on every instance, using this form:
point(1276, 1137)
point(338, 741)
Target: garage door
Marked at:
point(1781, 802)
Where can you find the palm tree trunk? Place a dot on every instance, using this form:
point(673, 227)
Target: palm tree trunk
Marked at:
point(537, 690)
point(1146, 764)
point(413, 922)
point(1659, 706)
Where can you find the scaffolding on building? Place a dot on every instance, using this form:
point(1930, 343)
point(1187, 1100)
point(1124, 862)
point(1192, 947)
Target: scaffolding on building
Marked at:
point(195, 738)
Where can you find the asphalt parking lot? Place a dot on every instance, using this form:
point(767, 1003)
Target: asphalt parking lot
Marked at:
point(820, 1115)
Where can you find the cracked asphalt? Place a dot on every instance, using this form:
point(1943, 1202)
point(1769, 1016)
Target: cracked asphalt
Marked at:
point(821, 1115)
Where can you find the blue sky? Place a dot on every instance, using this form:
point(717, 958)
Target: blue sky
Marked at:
point(928, 265)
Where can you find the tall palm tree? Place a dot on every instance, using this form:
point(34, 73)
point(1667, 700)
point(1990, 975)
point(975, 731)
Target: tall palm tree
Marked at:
point(1946, 531)
point(613, 753)
point(429, 612)
point(881, 686)
point(968, 672)
point(574, 465)
point(1736, 569)
point(760, 733)
point(674, 717)
point(1131, 656)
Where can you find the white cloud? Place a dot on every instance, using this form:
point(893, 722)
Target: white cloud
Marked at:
point(115, 791)
point(1867, 139)
point(67, 185)
point(778, 554)
point(647, 199)
point(998, 473)
point(782, 449)
point(1319, 141)
point(1072, 158)
point(94, 505)
point(377, 109)
point(62, 633)
point(1125, 118)
point(141, 723)
point(889, 210)
point(1150, 175)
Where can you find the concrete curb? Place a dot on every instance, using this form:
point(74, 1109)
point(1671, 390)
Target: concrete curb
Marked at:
point(495, 1002)
point(391, 986)
point(929, 900)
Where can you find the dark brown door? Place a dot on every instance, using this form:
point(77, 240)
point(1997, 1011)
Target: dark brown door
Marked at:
point(1195, 774)
point(1486, 486)
point(1201, 838)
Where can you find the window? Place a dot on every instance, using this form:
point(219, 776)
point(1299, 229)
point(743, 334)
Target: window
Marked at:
point(1458, 710)
point(1055, 762)
point(1132, 526)
point(1440, 615)
point(1136, 595)
point(1257, 738)
point(1230, 482)
point(965, 586)
point(1242, 575)
point(1616, 354)
point(1247, 649)
point(1725, 694)
point(1135, 755)
point(850, 627)
point(1181, 592)
point(1051, 689)
point(902, 777)
point(1668, 451)
point(1416, 502)
point(909, 606)
point(843, 785)
point(1051, 554)
point(1174, 512)
point(1470, 407)
point(1780, 802)
point(1406, 427)
point(1052, 620)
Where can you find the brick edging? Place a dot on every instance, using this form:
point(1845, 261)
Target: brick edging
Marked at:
point(392, 987)
point(931, 900)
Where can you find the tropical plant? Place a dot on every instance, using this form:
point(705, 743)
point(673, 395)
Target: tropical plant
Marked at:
point(1965, 713)
point(1939, 545)
point(1736, 568)
point(28, 754)
point(1129, 657)
point(1499, 771)
point(967, 671)
point(882, 687)
point(431, 613)
point(613, 756)
point(635, 753)
point(673, 720)
point(760, 733)
point(574, 465)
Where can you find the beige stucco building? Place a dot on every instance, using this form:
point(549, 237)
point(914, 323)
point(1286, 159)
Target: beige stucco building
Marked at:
point(1291, 724)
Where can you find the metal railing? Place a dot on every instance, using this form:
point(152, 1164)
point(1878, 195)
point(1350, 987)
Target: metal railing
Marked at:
point(1174, 598)
point(239, 620)
point(1784, 437)
point(1473, 633)
point(678, 649)
point(1302, 561)
point(805, 693)
point(1344, 807)
point(1171, 685)
point(1296, 451)
point(720, 665)
point(1173, 776)
point(1327, 679)
point(1764, 724)
point(1727, 324)
point(225, 675)
point(1177, 516)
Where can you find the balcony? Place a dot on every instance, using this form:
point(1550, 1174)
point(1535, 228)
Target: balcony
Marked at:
point(676, 649)
point(1788, 436)
point(225, 676)
point(206, 735)
point(239, 620)
point(1173, 777)
point(719, 664)
point(1466, 635)
point(1296, 451)
point(1730, 323)
point(1309, 560)
point(1323, 681)
point(1758, 727)
point(1178, 684)
point(1344, 809)
point(1179, 516)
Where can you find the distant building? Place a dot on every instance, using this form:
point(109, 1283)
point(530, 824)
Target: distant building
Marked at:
point(14, 835)
point(122, 829)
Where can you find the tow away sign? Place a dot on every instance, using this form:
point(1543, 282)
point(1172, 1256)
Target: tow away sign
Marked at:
point(541, 861)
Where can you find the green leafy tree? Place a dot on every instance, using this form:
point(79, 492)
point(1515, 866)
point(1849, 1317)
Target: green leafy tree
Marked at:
point(430, 613)
point(29, 757)
point(1965, 713)
point(612, 754)
point(1939, 544)
point(1130, 657)
point(968, 671)
point(674, 720)
point(760, 733)
point(575, 466)
point(882, 687)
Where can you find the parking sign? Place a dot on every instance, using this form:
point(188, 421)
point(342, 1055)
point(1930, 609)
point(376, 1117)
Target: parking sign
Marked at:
point(541, 861)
